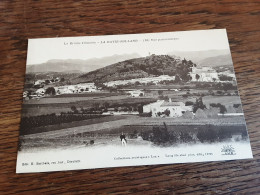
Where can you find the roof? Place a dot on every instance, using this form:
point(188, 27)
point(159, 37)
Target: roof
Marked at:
point(172, 104)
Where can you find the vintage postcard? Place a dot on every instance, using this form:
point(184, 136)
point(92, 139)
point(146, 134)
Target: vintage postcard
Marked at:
point(128, 100)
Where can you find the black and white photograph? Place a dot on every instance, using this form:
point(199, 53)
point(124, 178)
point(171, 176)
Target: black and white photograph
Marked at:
point(128, 100)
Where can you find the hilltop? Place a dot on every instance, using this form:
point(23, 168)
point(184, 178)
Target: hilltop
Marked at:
point(153, 65)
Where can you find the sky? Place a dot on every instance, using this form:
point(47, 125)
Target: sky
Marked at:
point(87, 47)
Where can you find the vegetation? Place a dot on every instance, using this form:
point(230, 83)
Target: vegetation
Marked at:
point(198, 104)
point(153, 65)
point(221, 107)
point(50, 91)
point(165, 136)
point(225, 78)
point(28, 123)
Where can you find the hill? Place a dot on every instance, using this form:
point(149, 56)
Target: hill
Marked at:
point(217, 61)
point(140, 67)
point(77, 65)
point(197, 56)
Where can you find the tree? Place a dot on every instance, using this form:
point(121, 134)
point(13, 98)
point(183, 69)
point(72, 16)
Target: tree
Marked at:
point(140, 109)
point(222, 109)
point(211, 92)
point(137, 83)
point(62, 79)
point(189, 103)
point(197, 77)
point(160, 92)
point(50, 91)
point(183, 70)
point(228, 86)
point(96, 105)
point(167, 112)
point(219, 92)
point(177, 79)
point(105, 104)
point(198, 104)
point(74, 109)
point(225, 78)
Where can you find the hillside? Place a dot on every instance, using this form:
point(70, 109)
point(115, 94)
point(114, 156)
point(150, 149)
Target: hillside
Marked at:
point(77, 65)
point(139, 67)
point(221, 60)
point(197, 56)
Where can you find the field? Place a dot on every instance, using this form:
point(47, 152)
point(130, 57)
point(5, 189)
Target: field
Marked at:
point(106, 130)
point(63, 103)
point(137, 135)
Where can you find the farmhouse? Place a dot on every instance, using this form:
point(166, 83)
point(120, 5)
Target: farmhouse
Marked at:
point(86, 87)
point(169, 109)
point(204, 74)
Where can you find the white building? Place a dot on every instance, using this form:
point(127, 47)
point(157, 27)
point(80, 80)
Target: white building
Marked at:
point(174, 109)
point(40, 92)
point(79, 88)
point(206, 74)
point(39, 82)
point(86, 87)
point(136, 93)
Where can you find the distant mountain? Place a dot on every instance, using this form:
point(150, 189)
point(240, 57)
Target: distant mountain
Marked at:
point(222, 60)
point(197, 56)
point(76, 65)
point(136, 68)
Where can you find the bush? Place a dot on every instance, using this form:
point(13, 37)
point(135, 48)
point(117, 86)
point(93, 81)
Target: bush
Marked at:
point(207, 136)
point(221, 107)
point(189, 103)
point(185, 137)
point(50, 91)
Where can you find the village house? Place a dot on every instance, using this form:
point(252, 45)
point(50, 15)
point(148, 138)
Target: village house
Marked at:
point(164, 108)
